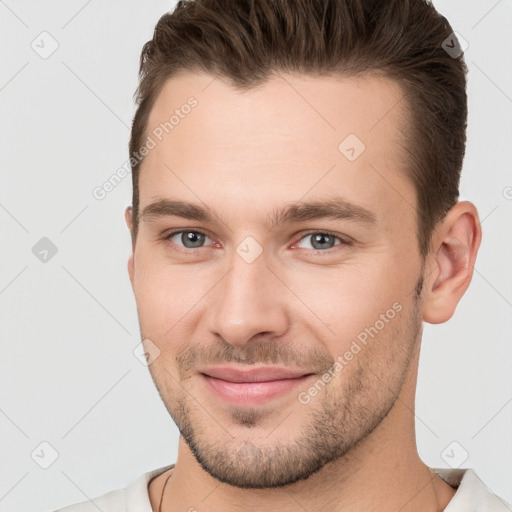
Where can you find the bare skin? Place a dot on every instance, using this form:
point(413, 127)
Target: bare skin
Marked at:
point(245, 155)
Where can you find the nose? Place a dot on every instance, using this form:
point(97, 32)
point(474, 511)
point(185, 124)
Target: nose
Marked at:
point(250, 300)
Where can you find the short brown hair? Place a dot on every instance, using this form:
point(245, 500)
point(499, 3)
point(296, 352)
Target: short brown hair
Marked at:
point(247, 41)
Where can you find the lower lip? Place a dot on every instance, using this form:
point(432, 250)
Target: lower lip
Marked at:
point(251, 393)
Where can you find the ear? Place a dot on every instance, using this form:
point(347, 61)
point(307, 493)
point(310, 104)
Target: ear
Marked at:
point(128, 216)
point(452, 258)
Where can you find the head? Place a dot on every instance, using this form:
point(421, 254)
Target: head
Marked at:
point(299, 211)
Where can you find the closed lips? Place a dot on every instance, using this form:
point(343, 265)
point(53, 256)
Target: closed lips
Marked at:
point(262, 374)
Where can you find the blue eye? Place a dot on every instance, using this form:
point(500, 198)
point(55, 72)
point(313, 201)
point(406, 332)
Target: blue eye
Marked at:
point(321, 241)
point(189, 239)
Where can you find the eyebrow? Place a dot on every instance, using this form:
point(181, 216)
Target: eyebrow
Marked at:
point(335, 208)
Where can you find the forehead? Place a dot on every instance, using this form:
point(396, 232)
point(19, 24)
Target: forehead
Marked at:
point(368, 105)
point(295, 134)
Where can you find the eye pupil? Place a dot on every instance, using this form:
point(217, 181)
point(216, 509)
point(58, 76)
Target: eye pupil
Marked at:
point(192, 237)
point(320, 239)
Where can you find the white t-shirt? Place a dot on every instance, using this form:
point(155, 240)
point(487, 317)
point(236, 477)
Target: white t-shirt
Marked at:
point(471, 496)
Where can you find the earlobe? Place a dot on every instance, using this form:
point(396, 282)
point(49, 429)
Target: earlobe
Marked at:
point(454, 252)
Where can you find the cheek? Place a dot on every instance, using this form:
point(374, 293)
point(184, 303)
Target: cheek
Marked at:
point(161, 295)
point(340, 304)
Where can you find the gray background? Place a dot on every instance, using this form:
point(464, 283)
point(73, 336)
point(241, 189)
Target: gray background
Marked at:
point(69, 326)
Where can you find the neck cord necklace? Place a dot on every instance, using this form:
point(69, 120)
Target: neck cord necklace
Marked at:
point(163, 490)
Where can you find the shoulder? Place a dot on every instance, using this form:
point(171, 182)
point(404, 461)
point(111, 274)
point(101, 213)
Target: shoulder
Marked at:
point(134, 498)
point(113, 501)
point(472, 494)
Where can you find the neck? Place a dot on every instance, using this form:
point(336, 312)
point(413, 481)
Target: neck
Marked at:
point(383, 472)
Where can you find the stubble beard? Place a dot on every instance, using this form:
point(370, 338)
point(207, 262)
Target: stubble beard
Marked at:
point(344, 413)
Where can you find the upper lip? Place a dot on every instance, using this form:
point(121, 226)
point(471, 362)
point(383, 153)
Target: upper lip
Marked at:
point(261, 374)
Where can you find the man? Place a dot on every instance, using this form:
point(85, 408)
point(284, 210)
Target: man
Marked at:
point(295, 219)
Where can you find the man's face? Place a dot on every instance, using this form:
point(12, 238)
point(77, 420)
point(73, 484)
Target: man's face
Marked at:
point(302, 294)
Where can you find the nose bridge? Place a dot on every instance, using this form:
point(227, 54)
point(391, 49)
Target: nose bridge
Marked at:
point(247, 301)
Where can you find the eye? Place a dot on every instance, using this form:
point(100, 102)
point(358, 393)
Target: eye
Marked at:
point(193, 240)
point(320, 241)
point(188, 239)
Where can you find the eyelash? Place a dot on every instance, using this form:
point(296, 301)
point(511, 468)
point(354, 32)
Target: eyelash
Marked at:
point(316, 252)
